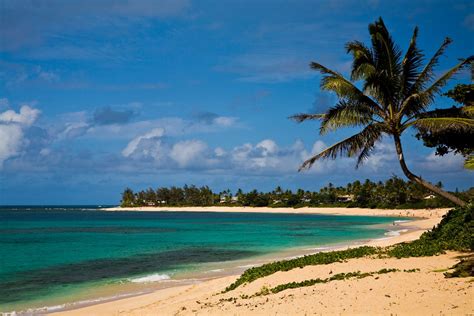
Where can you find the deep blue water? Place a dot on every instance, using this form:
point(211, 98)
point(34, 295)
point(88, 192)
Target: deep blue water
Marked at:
point(48, 252)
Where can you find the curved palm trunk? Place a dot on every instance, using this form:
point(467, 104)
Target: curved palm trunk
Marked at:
point(426, 184)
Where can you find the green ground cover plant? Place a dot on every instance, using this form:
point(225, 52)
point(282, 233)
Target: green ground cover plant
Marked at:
point(311, 282)
point(454, 232)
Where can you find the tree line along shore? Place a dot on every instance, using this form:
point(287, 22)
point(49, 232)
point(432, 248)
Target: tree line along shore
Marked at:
point(392, 193)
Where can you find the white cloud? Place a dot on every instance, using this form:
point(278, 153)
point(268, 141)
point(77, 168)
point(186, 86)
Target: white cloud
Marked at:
point(383, 155)
point(268, 156)
point(11, 137)
point(188, 152)
point(133, 145)
point(73, 130)
point(447, 163)
point(318, 147)
point(225, 121)
point(268, 147)
point(12, 126)
point(182, 154)
point(220, 152)
point(265, 156)
point(26, 116)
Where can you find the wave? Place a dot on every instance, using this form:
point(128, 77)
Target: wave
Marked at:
point(394, 233)
point(399, 221)
point(156, 277)
point(318, 249)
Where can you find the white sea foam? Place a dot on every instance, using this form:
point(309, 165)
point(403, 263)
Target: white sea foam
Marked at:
point(394, 233)
point(399, 221)
point(319, 248)
point(156, 277)
point(247, 266)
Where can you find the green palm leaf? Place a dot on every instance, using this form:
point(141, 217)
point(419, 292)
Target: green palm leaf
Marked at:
point(418, 102)
point(428, 72)
point(335, 82)
point(346, 113)
point(411, 64)
point(348, 147)
point(436, 124)
point(363, 60)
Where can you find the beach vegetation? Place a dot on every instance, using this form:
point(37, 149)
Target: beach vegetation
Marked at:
point(392, 193)
point(396, 92)
point(451, 139)
point(255, 273)
point(311, 282)
point(454, 232)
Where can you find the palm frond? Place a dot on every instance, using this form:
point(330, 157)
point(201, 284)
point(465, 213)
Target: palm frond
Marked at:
point(384, 86)
point(436, 86)
point(362, 62)
point(437, 124)
point(411, 64)
point(370, 144)
point(348, 147)
point(346, 113)
point(427, 73)
point(335, 82)
point(301, 117)
point(386, 52)
point(418, 102)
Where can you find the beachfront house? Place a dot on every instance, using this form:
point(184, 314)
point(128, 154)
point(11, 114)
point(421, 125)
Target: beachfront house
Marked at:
point(225, 198)
point(345, 198)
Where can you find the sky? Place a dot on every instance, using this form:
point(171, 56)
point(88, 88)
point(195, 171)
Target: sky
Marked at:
point(96, 96)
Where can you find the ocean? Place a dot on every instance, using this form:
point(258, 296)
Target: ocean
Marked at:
point(55, 256)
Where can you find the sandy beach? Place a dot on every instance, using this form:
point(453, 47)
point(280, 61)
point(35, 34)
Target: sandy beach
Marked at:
point(424, 291)
point(424, 213)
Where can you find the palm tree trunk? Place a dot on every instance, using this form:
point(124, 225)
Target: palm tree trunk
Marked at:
point(426, 184)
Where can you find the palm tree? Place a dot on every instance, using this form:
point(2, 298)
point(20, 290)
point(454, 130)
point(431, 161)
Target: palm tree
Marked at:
point(395, 94)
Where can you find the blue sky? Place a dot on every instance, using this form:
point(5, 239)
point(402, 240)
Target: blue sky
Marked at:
point(99, 95)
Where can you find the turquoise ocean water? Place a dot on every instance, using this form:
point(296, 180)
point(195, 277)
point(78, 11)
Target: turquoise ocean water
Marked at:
point(57, 255)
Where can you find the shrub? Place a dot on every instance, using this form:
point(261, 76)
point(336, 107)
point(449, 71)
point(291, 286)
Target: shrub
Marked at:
point(454, 232)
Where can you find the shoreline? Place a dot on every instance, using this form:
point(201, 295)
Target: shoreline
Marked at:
point(356, 211)
point(423, 220)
